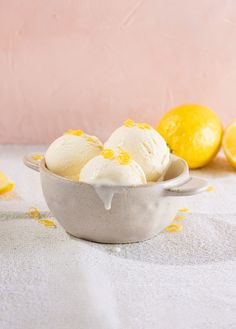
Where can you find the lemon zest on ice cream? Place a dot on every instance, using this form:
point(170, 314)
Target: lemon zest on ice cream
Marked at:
point(123, 158)
point(129, 123)
point(90, 139)
point(143, 125)
point(107, 153)
point(77, 132)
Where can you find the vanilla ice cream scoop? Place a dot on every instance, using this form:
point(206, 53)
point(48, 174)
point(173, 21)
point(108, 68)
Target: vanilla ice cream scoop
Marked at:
point(69, 153)
point(145, 145)
point(113, 169)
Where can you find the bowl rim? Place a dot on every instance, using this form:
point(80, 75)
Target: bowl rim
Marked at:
point(173, 182)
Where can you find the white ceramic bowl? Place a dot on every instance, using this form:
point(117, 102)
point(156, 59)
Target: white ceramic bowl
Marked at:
point(137, 213)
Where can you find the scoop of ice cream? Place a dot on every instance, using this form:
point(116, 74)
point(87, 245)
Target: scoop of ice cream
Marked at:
point(145, 145)
point(111, 169)
point(70, 152)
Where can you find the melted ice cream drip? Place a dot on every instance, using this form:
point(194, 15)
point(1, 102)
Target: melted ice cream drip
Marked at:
point(106, 194)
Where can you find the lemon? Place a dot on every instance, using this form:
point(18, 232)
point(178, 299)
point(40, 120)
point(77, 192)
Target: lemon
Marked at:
point(192, 132)
point(229, 143)
point(5, 185)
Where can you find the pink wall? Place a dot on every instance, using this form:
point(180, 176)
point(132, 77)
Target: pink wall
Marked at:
point(91, 64)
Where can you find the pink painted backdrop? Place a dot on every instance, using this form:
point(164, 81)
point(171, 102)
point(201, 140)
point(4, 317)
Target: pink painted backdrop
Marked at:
point(90, 64)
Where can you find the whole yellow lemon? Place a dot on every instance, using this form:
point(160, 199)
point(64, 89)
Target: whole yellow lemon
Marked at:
point(193, 132)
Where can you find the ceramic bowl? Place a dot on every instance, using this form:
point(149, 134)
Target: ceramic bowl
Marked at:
point(119, 214)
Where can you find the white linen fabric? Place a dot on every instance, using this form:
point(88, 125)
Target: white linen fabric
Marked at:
point(184, 280)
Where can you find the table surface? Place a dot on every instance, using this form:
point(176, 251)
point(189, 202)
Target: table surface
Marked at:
point(176, 280)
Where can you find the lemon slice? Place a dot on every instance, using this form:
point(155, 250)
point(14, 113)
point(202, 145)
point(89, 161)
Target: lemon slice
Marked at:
point(229, 143)
point(5, 185)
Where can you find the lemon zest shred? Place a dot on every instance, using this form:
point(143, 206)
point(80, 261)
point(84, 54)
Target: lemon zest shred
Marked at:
point(210, 189)
point(143, 125)
point(183, 210)
point(123, 158)
point(33, 212)
point(174, 228)
point(129, 123)
point(47, 222)
point(108, 153)
point(180, 217)
point(77, 132)
point(37, 157)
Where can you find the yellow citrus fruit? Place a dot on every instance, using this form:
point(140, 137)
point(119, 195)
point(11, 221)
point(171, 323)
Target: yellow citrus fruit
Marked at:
point(192, 132)
point(229, 143)
point(5, 185)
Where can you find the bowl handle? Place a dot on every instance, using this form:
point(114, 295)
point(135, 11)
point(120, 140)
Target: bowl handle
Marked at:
point(33, 160)
point(194, 185)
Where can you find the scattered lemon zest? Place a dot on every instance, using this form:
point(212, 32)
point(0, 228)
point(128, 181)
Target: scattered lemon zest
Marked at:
point(108, 153)
point(180, 217)
point(129, 123)
point(37, 157)
point(33, 212)
point(77, 132)
point(123, 158)
point(174, 228)
point(47, 222)
point(210, 189)
point(183, 210)
point(143, 125)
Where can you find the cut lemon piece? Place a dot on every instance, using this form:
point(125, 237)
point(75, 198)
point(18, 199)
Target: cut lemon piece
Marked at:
point(7, 188)
point(229, 143)
point(5, 185)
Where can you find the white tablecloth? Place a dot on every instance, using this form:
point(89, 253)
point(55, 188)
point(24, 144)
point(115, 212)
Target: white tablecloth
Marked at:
point(179, 280)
